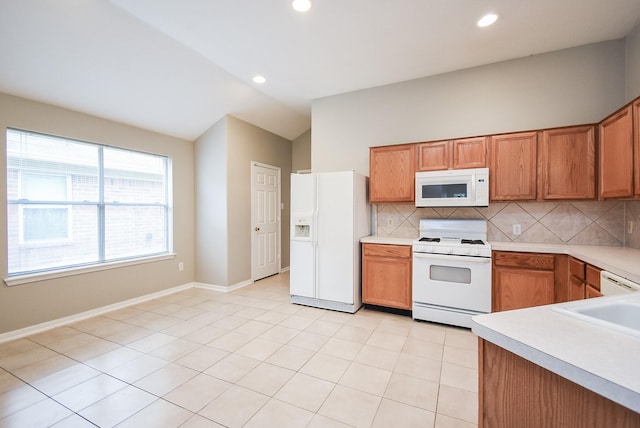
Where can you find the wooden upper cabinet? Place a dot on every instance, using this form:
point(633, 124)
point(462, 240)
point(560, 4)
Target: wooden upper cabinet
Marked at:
point(392, 174)
point(636, 145)
point(455, 154)
point(512, 166)
point(568, 163)
point(616, 154)
point(469, 153)
point(434, 156)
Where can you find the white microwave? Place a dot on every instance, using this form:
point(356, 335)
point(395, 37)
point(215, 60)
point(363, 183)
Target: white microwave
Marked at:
point(453, 188)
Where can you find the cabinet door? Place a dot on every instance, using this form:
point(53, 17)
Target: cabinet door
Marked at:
point(591, 292)
point(568, 163)
point(593, 277)
point(386, 280)
point(512, 166)
point(616, 155)
point(636, 145)
point(392, 174)
point(577, 288)
point(470, 153)
point(434, 156)
point(521, 288)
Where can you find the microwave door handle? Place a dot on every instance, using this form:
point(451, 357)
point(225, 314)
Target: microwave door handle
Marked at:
point(449, 257)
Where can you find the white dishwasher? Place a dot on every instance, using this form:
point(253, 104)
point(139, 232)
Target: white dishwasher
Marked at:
point(612, 284)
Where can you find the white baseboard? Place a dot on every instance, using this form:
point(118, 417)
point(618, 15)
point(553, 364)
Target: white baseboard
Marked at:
point(39, 328)
point(284, 269)
point(223, 288)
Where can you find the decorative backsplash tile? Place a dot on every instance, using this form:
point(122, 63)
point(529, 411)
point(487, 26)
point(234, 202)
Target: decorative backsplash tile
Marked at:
point(632, 213)
point(578, 222)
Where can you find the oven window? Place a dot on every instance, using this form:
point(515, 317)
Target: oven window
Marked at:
point(436, 191)
point(450, 274)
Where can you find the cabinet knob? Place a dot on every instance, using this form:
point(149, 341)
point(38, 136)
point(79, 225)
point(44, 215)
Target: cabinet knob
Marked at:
point(257, 228)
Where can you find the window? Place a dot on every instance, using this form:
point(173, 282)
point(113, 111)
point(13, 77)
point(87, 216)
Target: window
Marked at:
point(71, 203)
point(44, 222)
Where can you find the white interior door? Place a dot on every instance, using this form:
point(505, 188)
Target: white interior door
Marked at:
point(265, 215)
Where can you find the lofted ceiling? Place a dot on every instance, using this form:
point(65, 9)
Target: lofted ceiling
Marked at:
point(177, 67)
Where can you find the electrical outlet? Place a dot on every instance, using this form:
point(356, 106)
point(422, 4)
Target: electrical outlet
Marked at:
point(517, 229)
point(180, 266)
point(630, 227)
point(390, 222)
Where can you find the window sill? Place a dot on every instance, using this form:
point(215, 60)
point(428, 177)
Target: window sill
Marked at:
point(37, 277)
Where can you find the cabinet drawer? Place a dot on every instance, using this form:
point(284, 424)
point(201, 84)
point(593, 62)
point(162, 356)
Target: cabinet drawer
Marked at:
point(524, 260)
point(593, 277)
point(576, 268)
point(384, 250)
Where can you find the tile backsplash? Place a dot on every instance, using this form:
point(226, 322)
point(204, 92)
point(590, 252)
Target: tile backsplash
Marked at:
point(577, 222)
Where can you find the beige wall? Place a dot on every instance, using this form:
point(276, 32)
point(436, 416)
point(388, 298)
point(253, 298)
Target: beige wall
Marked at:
point(211, 237)
point(301, 152)
point(572, 86)
point(38, 302)
point(223, 170)
point(632, 57)
point(248, 143)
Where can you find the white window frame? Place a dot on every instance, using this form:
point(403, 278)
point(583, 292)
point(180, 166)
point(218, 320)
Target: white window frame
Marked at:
point(99, 265)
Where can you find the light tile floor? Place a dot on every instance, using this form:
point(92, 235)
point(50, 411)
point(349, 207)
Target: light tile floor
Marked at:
point(201, 358)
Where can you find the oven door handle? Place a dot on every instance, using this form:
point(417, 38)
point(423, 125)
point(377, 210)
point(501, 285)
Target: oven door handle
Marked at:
point(452, 257)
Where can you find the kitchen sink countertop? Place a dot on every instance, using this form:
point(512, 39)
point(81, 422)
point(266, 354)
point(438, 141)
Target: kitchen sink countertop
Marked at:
point(596, 357)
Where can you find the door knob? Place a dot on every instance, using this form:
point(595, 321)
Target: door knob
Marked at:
point(257, 228)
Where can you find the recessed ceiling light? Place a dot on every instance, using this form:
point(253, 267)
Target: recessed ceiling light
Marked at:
point(301, 5)
point(487, 20)
point(259, 79)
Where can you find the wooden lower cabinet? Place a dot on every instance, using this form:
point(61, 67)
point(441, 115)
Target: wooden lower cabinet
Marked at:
point(515, 392)
point(522, 280)
point(593, 282)
point(577, 284)
point(386, 275)
point(584, 280)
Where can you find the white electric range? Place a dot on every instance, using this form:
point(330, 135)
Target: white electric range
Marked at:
point(451, 271)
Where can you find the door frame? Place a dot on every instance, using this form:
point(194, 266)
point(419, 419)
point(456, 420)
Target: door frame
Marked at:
point(255, 164)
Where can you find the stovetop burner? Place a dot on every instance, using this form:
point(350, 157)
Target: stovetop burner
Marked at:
point(451, 241)
point(473, 241)
point(455, 237)
point(430, 239)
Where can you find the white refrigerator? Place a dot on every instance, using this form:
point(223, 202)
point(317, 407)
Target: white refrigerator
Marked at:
point(329, 215)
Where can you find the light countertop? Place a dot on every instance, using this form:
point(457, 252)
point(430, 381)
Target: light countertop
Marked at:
point(596, 357)
point(388, 240)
